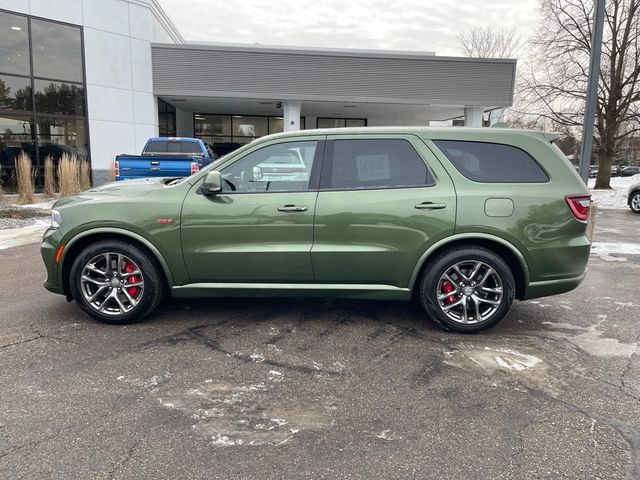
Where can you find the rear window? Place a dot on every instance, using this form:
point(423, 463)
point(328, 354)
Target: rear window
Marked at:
point(492, 162)
point(156, 147)
point(191, 147)
point(163, 146)
point(379, 163)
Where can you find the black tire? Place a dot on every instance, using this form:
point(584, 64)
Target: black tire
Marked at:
point(151, 276)
point(634, 202)
point(432, 277)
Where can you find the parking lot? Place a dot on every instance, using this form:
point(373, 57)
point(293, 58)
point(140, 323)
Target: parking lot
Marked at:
point(296, 388)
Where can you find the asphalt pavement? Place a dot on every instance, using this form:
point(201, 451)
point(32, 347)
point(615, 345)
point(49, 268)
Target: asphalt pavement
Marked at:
point(299, 388)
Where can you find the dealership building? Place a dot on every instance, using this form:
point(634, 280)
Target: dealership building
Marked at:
point(99, 77)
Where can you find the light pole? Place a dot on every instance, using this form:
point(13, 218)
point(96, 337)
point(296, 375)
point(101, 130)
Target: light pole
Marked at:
point(592, 90)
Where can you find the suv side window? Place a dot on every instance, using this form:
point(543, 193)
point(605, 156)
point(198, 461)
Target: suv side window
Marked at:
point(492, 162)
point(375, 163)
point(283, 167)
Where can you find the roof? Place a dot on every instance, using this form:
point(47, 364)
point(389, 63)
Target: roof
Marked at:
point(430, 132)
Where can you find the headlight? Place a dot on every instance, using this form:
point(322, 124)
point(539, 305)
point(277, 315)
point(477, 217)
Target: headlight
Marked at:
point(56, 219)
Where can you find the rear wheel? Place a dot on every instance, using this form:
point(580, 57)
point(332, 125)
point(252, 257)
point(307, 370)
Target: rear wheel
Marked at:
point(468, 289)
point(635, 202)
point(116, 282)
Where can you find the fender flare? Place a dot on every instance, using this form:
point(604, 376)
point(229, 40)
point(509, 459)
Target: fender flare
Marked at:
point(468, 236)
point(122, 232)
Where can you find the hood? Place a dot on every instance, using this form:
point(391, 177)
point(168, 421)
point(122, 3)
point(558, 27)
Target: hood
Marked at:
point(126, 188)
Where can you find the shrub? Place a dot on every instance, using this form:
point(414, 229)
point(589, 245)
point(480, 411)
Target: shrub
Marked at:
point(112, 172)
point(25, 178)
point(85, 175)
point(49, 177)
point(68, 175)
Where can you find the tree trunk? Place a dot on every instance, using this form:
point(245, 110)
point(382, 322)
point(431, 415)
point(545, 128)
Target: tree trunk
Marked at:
point(605, 158)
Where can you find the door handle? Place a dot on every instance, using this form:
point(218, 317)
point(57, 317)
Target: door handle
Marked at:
point(430, 206)
point(155, 169)
point(292, 208)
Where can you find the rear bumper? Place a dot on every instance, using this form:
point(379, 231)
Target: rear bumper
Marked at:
point(552, 287)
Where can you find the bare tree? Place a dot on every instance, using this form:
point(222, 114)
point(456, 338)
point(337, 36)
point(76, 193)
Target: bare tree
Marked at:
point(556, 82)
point(490, 42)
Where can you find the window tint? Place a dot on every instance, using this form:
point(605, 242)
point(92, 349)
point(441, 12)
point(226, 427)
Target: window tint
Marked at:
point(383, 163)
point(492, 162)
point(282, 167)
point(174, 147)
point(191, 147)
point(156, 147)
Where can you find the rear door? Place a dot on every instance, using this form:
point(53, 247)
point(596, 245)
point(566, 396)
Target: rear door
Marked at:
point(383, 201)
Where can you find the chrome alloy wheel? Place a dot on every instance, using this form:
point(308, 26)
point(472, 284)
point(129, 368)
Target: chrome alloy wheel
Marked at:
point(469, 292)
point(635, 202)
point(112, 283)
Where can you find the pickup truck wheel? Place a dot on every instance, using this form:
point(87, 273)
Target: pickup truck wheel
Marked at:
point(116, 282)
point(467, 290)
point(634, 203)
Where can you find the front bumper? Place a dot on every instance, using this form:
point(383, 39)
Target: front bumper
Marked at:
point(48, 248)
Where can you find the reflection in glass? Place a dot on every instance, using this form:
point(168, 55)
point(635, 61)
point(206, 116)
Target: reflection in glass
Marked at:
point(15, 93)
point(58, 97)
point(15, 136)
point(324, 122)
point(251, 127)
point(61, 135)
point(14, 44)
point(276, 125)
point(212, 125)
point(57, 51)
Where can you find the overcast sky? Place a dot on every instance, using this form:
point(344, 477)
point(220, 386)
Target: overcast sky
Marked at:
point(427, 25)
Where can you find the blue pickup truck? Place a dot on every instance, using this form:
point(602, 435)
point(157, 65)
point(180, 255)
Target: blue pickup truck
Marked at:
point(165, 157)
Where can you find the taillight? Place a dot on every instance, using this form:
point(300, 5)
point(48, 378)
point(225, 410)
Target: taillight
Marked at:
point(116, 168)
point(195, 167)
point(579, 205)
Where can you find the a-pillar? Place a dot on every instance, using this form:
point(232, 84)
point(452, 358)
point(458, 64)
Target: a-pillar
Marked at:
point(291, 110)
point(473, 116)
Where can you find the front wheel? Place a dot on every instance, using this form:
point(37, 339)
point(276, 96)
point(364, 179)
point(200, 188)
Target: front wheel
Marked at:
point(116, 282)
point(468, 289)
point(635, 202)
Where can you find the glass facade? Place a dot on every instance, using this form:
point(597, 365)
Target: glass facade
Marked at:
point(225, 133)
point(326, 122)
point(42, 92)
point(166, 119)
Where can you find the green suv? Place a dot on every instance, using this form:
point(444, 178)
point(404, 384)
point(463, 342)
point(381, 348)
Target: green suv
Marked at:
point(463, 220)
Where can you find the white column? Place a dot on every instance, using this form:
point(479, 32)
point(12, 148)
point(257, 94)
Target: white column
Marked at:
point(473, 116)
point(291, 110)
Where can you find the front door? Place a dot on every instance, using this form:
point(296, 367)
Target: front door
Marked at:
point(260, 227)
point(382, 203)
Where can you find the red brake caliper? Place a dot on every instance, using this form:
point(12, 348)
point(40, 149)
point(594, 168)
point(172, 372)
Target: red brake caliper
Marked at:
point(129, 268)
point(446, 288)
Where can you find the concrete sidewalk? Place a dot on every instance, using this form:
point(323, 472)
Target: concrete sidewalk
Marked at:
point(14, 237)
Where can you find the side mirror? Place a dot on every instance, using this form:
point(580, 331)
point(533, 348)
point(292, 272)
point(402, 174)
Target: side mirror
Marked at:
point(212, 183)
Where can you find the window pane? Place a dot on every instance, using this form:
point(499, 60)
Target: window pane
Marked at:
point(15, 136)
point(281, 167)
point(14, 44)
point(331, 122)
point(356, 122)
point(252, 127)
point(61, 135)
point(276, 125)
point(15, 93)
point(212, 125)
point(191, 147)
point(57, 51)
point(156, 147)
point(377, 164)
point(57, 97)
point(492, 162)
